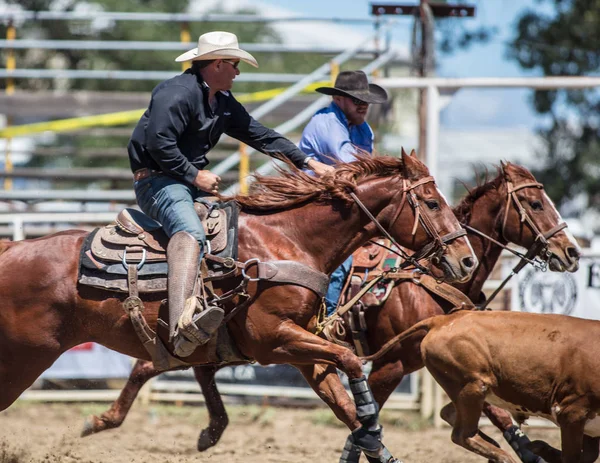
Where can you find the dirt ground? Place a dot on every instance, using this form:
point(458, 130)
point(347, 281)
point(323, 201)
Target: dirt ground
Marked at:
point(49, 433)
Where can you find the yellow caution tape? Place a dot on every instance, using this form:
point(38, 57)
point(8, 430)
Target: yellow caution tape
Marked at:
point(64, 125)
point(124, 117)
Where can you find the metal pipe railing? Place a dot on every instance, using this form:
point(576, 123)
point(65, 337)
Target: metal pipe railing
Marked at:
point(134, 75)
point(136, 45)
point(540, 83)
point(307, 113)
point(259, 112)
point(169, 17)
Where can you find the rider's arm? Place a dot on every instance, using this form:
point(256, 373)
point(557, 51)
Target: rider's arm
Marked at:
point(245, 128)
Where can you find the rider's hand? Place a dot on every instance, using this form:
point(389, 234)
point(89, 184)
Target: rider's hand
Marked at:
point(319, 168)
point(207, 181)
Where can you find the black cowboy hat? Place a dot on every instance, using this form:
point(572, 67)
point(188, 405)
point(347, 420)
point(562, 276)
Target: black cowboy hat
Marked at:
point(355, 85)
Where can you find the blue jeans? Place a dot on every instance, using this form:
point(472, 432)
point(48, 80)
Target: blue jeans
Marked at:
point(171, 203)
point(336, 284)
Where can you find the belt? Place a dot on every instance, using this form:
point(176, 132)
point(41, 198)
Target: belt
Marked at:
point(141, 174)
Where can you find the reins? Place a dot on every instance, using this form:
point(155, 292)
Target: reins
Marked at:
point(540, 244)
point(436, 247)
point(438, 242)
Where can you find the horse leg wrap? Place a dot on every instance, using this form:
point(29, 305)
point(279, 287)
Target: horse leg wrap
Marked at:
point(368, 436)
point(367, 410)
point(519, 443)
point(351, 452)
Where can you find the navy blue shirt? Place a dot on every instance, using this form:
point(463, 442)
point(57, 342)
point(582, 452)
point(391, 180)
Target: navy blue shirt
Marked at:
point(179, 128)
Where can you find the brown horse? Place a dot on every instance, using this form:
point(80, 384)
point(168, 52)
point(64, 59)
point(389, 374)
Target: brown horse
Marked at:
point(294, 217)
point(488, 208)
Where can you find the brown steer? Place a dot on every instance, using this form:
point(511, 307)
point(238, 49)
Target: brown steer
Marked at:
point(529, 364)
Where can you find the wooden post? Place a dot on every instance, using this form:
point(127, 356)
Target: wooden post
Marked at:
point(425, 64)
point(424, 15)
point(244, 169)
point(335, 70)
point(11, 34)
point(185, 37)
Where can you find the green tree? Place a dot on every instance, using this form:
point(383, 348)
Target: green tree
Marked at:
point(247, 32)
point(565, 43)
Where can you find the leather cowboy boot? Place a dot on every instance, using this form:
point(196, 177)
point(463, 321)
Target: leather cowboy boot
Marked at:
point(187, 330)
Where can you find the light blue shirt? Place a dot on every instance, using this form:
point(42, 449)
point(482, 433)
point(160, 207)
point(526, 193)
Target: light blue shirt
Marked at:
point(328, 134)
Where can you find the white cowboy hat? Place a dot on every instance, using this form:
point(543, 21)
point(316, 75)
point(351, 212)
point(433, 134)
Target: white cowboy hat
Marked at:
point(217, 45)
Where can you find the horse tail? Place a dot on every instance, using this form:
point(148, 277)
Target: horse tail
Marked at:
point(425, 325)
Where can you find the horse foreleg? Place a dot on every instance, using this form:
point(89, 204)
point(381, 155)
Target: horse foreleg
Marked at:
point(325, 381)
point(383, 379)
point(297, 346)
point(516, 438)
point(218, 420)
point(142, 371)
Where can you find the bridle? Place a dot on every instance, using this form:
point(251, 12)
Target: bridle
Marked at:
point(436, 247)
point(537, 254)
point(525, 217)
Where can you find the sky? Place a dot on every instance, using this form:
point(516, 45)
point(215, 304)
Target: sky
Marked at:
point(496, 107)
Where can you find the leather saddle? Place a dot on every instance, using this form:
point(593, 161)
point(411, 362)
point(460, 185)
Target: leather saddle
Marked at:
point(368, 261)
point(135, 238)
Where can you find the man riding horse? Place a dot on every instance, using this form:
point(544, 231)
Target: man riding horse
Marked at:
point(335, 134)
point(167, 152)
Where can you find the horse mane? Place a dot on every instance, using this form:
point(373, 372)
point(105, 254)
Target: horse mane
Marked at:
point(295, 187)
point(464, 209)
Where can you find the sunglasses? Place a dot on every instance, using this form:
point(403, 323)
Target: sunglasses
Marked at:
point(358, 102)
point(235, 64)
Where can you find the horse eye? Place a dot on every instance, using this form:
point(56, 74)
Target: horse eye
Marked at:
point(536, 205)
point(433, 205)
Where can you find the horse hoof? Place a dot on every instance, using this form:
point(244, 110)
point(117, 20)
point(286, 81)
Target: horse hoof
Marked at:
point(88, 426)
point(204, 441)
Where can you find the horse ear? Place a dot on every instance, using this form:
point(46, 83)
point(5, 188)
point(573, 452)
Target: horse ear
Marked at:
point(413, 153)
point(505, 165)
point(409, 165)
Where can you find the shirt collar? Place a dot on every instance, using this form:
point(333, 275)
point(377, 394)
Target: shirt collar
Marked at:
point(340, 114)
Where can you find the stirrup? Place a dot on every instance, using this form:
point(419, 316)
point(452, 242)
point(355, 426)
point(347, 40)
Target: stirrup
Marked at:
point(198, 331)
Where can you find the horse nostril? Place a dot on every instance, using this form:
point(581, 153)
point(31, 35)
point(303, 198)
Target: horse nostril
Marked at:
point(573, 252)
point(468, 262)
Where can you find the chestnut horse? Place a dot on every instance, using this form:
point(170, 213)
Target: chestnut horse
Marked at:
point(484, 209)
point(295, 217)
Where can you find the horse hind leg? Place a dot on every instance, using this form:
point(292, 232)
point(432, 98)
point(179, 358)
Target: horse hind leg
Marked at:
point(142, 372)
point(218, 419)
